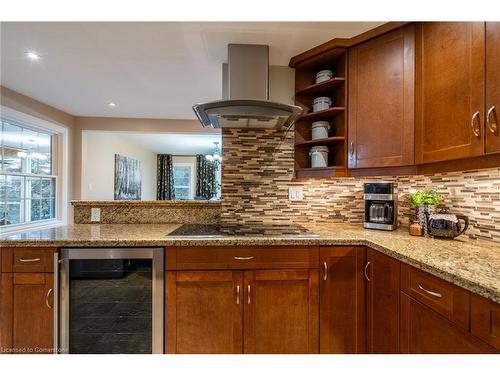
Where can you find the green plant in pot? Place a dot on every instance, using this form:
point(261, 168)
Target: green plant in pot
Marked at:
point(424, 202)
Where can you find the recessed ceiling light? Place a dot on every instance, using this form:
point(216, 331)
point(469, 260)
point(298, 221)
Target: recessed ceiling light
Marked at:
point(112, 104)
point(32, 55)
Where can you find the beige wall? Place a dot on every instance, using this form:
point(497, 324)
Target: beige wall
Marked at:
point(98, 165)
point(25, 104)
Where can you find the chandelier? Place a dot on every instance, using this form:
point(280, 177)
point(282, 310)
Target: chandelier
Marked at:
point(215, 155)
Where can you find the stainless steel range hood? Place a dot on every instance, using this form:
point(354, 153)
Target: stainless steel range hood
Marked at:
point(248, 104)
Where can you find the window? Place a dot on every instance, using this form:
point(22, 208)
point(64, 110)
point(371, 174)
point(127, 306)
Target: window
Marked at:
point(183, 179)
point(27, 179)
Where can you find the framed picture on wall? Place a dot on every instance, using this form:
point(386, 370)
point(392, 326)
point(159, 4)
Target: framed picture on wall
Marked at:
point(128, 178)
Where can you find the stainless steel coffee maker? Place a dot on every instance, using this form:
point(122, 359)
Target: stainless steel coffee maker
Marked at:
point(381, 206)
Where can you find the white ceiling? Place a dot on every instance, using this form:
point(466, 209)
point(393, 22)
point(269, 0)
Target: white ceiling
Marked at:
point(151, 70)
point(168, 143)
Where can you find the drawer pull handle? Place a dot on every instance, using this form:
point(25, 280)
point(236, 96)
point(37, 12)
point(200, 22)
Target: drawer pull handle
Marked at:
point(237, 294)
point(434, 294)
point(249, 299)
point(366, 271)
point(325, 271)
point(47, 298)
point(29, 260)
point(244, 258)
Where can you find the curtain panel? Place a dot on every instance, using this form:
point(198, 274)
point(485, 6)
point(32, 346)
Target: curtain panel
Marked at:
point(206, 183)
point(164, 177)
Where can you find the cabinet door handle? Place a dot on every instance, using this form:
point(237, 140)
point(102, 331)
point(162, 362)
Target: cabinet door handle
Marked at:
point(29, 260)
point(475, 129)
point(366, 271)
point(47, 298)
point(492, 126)
point(249, 299)
point(325, 271)
point(434, 294)
point(243, 258)
point(351, 146)
point(237, 294)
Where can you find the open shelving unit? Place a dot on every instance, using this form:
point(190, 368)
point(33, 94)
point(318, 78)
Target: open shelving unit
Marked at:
point(306, 90)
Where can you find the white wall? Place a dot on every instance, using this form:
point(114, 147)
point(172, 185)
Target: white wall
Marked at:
point(281, 84)
point(98, 165)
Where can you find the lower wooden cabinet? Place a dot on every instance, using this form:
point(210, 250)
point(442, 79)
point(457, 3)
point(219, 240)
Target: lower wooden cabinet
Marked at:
point(342, 300)
point(382, 304)
point(205, 311)
point(485, 320)
point(26, 312)
point(5, 312)
point(424, 331)
point(359, 300)
point(447, 299)
point(281, 311)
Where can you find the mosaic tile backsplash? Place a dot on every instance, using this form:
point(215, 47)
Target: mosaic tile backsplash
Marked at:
point(258, 169)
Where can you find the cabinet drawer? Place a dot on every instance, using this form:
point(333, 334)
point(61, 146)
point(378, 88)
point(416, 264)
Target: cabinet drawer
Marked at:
point(22, 259)
point(447, 299)
point(485, 320)
point(241, 257)
point(424, 331)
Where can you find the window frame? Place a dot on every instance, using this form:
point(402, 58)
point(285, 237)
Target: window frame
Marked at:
point(59, 167)
point(192, 177)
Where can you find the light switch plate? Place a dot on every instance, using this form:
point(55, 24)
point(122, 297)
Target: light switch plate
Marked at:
point(95, 215)
point(295, 193)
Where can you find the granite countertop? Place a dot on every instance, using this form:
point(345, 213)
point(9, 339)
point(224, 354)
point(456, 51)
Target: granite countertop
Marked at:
point(183, 203)
point(470, 264)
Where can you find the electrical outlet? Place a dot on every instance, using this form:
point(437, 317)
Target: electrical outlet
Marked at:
point(95, 215)
point(295, 193)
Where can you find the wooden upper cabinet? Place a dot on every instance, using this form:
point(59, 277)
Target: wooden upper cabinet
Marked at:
point(281, 312)
point(450, 86)
point(342, 300)
point(492, 87)
point(204, 312)
point(382, 311)
point(381, 101)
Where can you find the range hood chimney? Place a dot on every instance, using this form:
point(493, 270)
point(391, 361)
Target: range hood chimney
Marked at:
point(247, 87)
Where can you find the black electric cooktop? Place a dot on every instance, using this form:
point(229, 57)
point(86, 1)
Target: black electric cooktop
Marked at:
point(209, 230)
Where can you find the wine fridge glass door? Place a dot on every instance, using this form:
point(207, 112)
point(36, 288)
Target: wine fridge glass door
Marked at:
point(111, 301)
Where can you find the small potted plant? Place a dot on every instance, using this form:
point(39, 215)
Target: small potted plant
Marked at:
point(424, 202)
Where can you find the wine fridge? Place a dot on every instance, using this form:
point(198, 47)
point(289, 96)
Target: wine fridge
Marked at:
point(110, 301)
